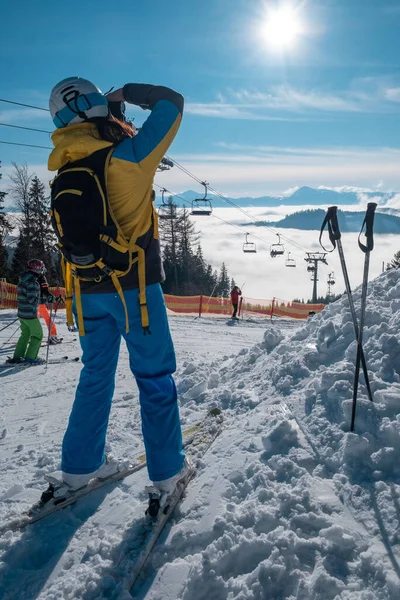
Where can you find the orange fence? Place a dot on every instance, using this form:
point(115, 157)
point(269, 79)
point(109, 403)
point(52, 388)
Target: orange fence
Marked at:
point(183, 304)
point(278, 308)
point(199, 305)
point(8, 294)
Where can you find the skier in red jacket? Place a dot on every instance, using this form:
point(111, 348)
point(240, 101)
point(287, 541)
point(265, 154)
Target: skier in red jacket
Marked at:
point(235, 293)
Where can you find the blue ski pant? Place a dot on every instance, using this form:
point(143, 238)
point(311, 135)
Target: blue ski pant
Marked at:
point(152, 362)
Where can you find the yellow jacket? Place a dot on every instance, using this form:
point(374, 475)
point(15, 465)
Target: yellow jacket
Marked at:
point(134, 161)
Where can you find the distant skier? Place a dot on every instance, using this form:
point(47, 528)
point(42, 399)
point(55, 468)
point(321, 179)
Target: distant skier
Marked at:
point(235, 293)
point(107, 307)
point(28, 297)
point(43, 310)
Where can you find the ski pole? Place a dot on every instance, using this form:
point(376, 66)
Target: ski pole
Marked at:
point(335, 238)
point(51, 321)
point(11, 336)
point(48, 337)
point(15, 320)
point(369, 226)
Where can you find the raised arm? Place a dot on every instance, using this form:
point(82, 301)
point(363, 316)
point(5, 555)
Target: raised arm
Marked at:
point(158, 131)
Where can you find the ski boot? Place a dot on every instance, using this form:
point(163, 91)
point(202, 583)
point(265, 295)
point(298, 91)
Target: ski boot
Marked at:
point(162, 491)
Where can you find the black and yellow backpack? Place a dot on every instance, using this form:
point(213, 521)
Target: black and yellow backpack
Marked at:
point(92, 245)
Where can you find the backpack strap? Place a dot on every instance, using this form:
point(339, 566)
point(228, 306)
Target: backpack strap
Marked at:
point(99, 162)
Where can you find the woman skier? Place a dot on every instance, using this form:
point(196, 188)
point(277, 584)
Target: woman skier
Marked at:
point(85, 125)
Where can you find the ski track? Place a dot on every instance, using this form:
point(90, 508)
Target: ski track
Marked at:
point(287, 504)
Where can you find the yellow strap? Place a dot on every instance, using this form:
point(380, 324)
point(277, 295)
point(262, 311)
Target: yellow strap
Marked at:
point(118, 287)
point(142, 286)
point(81, 326)
point(67, 275)
point(110, 242)
point(155, 224)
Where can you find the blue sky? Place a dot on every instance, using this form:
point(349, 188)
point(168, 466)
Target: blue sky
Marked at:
point(324, 111)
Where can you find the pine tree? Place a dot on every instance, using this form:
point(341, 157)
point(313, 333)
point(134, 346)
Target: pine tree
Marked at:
point(395, 262)
point(223, 288)
point(5, 228)
point(186, 270)
point(169, 226)
point(36, 237)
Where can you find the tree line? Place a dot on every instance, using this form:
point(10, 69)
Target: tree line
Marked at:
point(187, 272)
point(35, 236)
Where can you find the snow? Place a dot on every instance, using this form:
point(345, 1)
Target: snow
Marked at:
point(287, 503)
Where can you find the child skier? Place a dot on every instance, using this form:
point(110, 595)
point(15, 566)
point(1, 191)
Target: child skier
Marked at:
point(235, 293)
point(28, 345)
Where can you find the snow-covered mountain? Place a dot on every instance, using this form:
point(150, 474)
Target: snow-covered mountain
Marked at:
point(303, 196)
point(349, 221)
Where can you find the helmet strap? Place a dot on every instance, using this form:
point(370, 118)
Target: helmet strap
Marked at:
point(71, 100)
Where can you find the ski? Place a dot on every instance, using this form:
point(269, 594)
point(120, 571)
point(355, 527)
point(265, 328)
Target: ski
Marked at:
point(43, 509)
point(63, 359)
point(24, 365)
point(203, 439)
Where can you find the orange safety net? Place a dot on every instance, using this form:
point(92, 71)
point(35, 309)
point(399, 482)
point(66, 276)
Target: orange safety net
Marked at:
point(183, 304)
point(294, 310)
point(256, 306)
point(8, 295)
point(197, 304)
point(219, 306)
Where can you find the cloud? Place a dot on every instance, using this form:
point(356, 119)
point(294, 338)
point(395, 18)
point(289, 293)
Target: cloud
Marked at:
point(393, 94)
point(394, 202)
point(231, 111)
point(364, 95)
point(285, 97)
point(14, 115)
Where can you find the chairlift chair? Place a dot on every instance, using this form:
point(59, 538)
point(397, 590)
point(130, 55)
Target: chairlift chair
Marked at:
point(290, 262)
point(165, 165)
point(249, 246)
point(202, 206)
point(164, 211)
point(310, 268)
point(277, 249)
point(331, 279)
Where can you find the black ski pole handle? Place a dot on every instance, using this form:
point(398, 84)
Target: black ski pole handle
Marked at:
point(333, 228)
point(369, 228)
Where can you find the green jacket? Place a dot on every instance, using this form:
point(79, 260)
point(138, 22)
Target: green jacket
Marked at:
point(28, 296)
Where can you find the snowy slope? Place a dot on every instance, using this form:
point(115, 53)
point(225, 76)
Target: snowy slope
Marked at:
point(286, 505)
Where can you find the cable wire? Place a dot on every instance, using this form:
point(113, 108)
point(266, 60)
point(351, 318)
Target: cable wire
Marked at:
point(27, 128)
point(26, 145)
point(234, 205)
point(26, 105)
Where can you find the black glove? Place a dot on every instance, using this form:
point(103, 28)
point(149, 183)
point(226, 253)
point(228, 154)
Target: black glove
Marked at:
point(59, 299)
point(50, 299)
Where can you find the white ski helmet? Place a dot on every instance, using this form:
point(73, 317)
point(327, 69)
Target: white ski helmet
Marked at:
point(75, 100)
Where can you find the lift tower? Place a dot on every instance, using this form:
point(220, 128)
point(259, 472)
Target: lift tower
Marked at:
point(313, 259)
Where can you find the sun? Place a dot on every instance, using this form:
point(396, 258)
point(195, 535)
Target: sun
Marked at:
point(281, 28)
